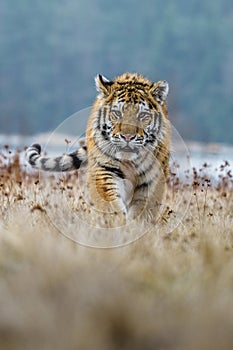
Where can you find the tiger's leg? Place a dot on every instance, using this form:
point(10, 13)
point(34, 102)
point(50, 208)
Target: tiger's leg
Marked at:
point(147, 202)
point(65, 162)
point(110, 192)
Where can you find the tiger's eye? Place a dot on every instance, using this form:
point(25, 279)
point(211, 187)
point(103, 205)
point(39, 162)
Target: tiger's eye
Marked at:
point(116, 114)
point(144, 116)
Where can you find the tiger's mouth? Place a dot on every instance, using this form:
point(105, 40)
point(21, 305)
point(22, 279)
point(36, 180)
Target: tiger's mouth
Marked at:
point(128, 149)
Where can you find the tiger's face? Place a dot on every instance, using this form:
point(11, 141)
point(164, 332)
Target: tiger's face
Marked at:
point(131, 126)
point(130, 114)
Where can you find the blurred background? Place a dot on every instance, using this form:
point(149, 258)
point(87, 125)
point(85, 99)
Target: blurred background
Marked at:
point(50, 51)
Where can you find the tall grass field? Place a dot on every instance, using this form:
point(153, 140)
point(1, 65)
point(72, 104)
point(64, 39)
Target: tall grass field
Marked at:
point(166, 290)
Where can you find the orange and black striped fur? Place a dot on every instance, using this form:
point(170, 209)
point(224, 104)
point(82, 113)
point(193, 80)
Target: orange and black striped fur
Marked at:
point(127, 147)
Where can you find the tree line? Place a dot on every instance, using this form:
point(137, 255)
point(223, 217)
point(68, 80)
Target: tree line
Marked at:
point(51, 51)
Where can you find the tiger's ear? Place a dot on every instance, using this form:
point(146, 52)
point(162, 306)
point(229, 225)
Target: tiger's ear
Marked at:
point(103, 85)
point(160, 91)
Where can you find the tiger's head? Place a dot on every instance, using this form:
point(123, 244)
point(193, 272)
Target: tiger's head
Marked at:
point(130, 114)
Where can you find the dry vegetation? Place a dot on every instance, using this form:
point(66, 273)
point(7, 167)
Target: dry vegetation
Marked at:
point(164, 291)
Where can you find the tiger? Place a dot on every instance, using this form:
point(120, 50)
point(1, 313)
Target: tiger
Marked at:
point(127, 148)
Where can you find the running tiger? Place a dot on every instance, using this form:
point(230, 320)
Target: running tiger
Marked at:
point(127, 147)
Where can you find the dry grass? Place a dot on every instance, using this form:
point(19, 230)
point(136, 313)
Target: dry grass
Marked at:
point(168, 291)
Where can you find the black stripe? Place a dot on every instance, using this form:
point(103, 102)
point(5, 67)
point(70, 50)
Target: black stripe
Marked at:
point(121, 94)
point(76, 161)
point(143, 185)
point(110, 189)
point(33, 158)
point(144, 172)
point(58, 166)
point(104, 115)
point(101, 118)
point(104, 178)
point(148, 183)
point(114, 170)
point(43, 161)
point(36, 147)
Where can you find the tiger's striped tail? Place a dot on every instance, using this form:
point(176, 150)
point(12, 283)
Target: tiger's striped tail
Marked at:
point(66, 162)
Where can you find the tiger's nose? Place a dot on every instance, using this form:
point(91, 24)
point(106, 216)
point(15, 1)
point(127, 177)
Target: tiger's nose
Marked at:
point(128, 137)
